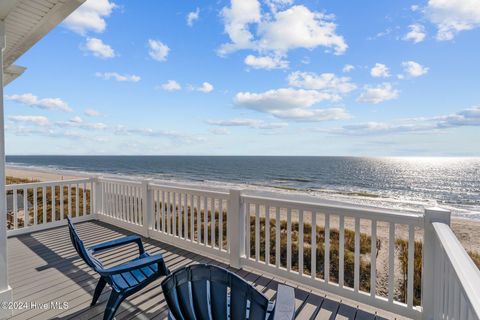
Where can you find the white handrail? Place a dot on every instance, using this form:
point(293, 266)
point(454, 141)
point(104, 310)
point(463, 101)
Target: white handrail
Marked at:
point(462, 271)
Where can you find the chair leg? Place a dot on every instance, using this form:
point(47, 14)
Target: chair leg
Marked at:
point(112, 305)
point(98, 290)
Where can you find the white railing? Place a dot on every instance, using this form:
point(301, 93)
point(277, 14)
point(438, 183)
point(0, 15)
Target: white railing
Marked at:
point(40, 205)
point(456, 278)
point(372, 256)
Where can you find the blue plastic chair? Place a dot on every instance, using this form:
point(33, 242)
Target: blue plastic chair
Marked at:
point(209, 292)
point(125, 279)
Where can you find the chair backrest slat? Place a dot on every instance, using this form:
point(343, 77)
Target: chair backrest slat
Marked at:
point(201, 291)
point(83, 252)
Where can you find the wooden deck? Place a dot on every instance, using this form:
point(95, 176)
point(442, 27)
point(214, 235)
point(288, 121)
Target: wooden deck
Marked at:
point(45, 269)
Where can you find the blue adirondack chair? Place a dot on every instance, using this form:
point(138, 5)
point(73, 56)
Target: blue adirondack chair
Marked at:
point(125, 279)
point(202, 292)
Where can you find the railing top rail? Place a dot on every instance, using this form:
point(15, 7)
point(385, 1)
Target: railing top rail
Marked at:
point(467, 272)
point(17, 186)
point(369, 213)
point(221, 194)
point(122, 181)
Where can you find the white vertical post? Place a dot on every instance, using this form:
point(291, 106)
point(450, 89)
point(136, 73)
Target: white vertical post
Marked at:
point(429, 278)
point(5, 290)
point(96, 193)
point(147, 209)
point(235, 228)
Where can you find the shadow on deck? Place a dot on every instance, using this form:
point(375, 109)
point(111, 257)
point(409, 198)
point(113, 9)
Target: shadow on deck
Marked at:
point(51, 281)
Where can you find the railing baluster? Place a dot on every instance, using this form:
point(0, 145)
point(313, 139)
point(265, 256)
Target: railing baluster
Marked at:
point(212, 222)
point(257, 232)
point(356, 278)
point(185, 216)
point(35, 206)
point(248, 232)
point(220, 225)
point(69, 200)
point(199, 219)
point(289, 239)
point(313, 263)
point(410, 272)
point(169, 214)
point(134, 205)
point(277, 237)
point(174, 214)
point(205, 220)
point(341, 251)
point(54, 205)
point(300, 242)
point(77, 201)
point(44, 204)
point(327, 248)
point(84, 199)
point(164, 228)
point(391, 261)
point(267, 235)
point(160, 210)
point(26, 213)
point(373, 260)
point(15, 209)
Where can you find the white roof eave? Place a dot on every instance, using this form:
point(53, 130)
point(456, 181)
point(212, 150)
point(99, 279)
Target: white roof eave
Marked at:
point(29, 36)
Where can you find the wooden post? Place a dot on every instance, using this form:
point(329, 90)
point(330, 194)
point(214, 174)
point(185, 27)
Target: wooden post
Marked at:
point(429, 278)
point(235, 227)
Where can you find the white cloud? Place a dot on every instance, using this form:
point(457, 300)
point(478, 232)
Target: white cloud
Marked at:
point(45, 103)
point(118, 77)
point(414, 7)
point(78, 122)
point(158, 50)
point(245, 122)
point(453, 16)
point(414, 69)
point(348, 68)
point(294, 104)
point(278, 31)
point(220, 131)
point(192, 17)
point(378, 94)
point(416, 34)
point(148, 132)
point(205, 88)
point(91, 113)
point(76, 119)
point(90, 16)
point(265, 62)
point(171, 85)
point(327, 82)
point(464, 118)
point(380, 71)
point(36, 120)
point(99, 49)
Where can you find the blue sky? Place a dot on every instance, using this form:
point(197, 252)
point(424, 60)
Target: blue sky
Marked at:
point(248, 77)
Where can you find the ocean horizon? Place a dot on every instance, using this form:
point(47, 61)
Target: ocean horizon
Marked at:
point(389, 182)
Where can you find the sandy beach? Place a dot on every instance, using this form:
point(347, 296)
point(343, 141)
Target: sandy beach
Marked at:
point(39, 174)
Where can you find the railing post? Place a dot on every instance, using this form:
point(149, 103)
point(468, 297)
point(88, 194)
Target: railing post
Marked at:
point(147, 210)
point(235, 227)
point(96, 193)
point(429, 276)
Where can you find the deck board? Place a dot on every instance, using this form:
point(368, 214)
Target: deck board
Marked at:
point(44, 267)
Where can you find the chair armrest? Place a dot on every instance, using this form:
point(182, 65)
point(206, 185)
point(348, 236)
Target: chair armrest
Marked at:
point(119, 242)
point(136, 264)
point(285, 303)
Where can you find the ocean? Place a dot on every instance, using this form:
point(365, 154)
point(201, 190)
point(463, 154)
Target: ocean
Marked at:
point(393, 183)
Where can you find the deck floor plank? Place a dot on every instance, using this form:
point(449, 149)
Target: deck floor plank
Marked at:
point(44, 267)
